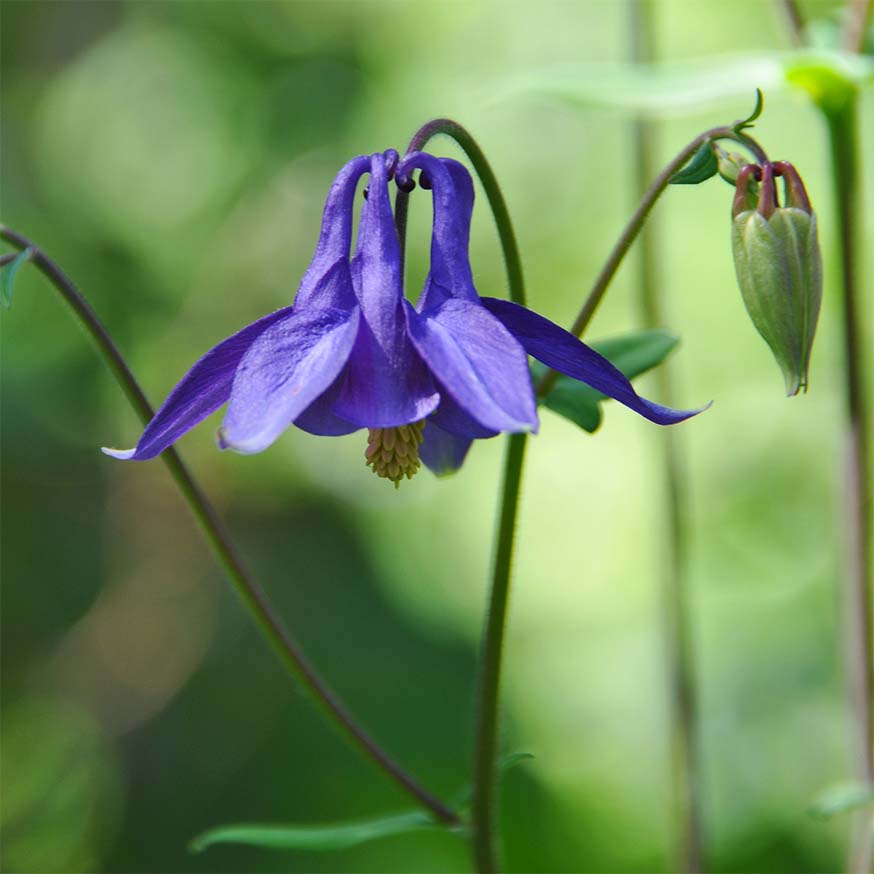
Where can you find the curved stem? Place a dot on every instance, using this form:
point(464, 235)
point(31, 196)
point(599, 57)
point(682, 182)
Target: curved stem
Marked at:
point(488, 692)
point(509, 247)
point(636, 222)
point(250, 593)
point(673, 515)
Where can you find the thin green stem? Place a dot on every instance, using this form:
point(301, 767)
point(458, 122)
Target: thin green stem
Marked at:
point(250, 593)
point(637, 221)
point(676, 623)
point(857, 14)
point(486, 744)
point(484, 804)
point(509, 247)
point(842, 124)
point(794, 21)
point(843, 141)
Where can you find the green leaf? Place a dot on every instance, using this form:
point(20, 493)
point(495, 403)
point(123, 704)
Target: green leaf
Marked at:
point(637, 352)
point(831, 79)
point(332, 836)
point(757, 111)
point(574, 401)
point(674, 88)
point(659, 90)
point(841, 799)
point(7, 276)
point(700, 168)
point(633, 354)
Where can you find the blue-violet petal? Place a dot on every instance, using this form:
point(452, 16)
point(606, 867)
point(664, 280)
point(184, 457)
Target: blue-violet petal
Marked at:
point(478, 362)
point(284, 371)
point(199, 393)
point(441, 452)
point(561, 351)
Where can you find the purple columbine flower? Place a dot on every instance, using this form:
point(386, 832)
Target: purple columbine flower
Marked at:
point(352, 353)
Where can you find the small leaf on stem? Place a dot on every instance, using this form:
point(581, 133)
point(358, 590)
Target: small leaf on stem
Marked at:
point(700, 168)
point(757, 111)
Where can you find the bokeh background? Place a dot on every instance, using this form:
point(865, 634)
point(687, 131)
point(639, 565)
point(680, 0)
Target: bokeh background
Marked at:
point(174, 158)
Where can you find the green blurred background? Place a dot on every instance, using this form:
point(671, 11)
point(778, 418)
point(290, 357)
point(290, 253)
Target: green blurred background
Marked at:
point(174, 158)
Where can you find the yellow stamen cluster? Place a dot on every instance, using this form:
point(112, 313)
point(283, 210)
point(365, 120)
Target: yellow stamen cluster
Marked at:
point(393, 453)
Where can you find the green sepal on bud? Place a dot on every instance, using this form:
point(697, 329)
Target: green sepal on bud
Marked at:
point(779, 266)
point(729, 165)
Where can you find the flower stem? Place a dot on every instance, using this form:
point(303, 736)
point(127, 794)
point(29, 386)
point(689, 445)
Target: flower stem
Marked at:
point(485, 747)
point(794, 21)
point(486, 744)
point(636, 222)
point(250, 593)
point(484, 805)
point(509, 247)
point(843, 135)
point(857, 13)
point(676, 624)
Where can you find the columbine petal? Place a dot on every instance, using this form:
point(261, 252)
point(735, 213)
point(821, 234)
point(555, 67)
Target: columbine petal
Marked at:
point(284, 371)
point(387, 384)
point(200, 392)
point(452, 188)
point(319, 417)
point(441, 452)
point(561, 351)
point(327, 282)
point(478, 362)
point(452, 418)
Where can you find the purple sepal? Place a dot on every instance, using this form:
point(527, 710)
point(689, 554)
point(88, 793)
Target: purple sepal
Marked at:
point(449, 274)
point(561, 351)
point(284, 371)
point(441, 452)
point(199, 393)
point(478, 363)
point(387, 384)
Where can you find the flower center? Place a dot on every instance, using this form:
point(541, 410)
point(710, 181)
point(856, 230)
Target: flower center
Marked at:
point(393, 453)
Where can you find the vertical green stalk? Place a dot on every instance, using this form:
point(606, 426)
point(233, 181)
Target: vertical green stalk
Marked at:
point(794, 22)
point(839, 106)
point(843, 136)
point(682, 711)
point(486, 743)
point(484, 806)
point(484, 810)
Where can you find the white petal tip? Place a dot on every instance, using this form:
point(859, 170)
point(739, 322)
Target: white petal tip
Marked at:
point(123, 454)
point(243, 447)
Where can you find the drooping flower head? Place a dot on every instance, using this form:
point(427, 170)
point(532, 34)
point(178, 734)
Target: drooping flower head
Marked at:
point(353, 353)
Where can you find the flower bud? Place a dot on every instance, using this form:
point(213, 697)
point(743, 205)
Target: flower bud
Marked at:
point(778, 265)
point(729, 165)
